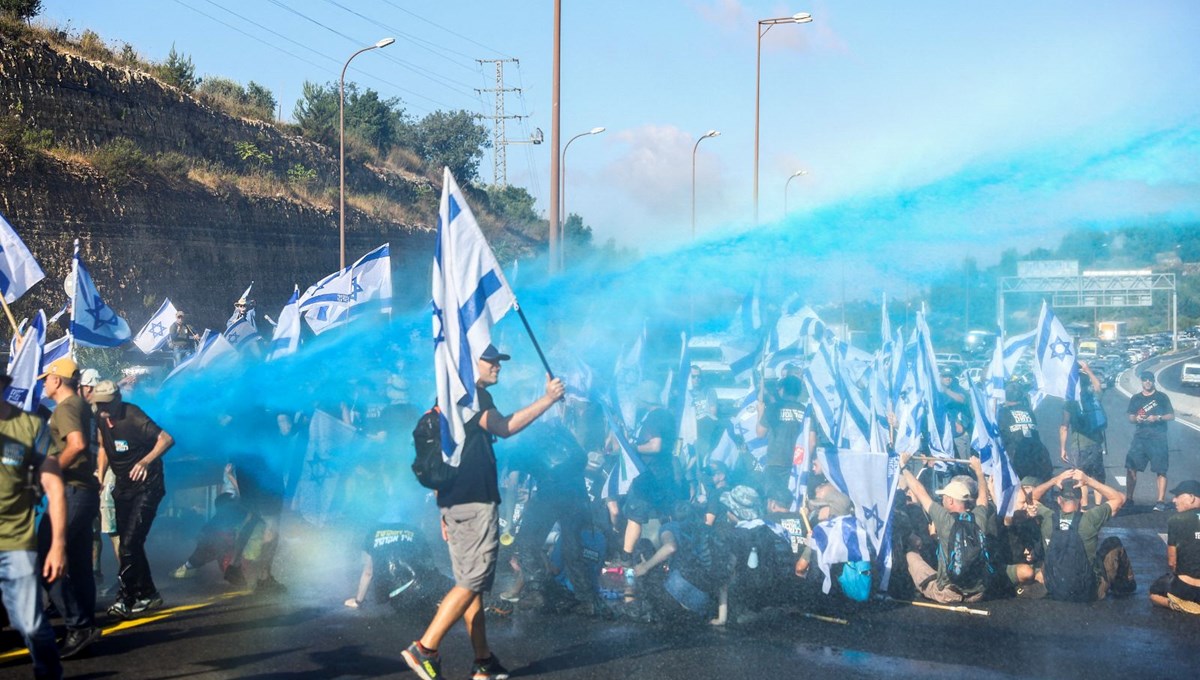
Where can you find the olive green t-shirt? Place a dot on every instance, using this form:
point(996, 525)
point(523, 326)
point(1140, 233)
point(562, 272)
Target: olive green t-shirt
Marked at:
point(943, 525)
point(74, 415)
point(1090, 523)
point(19, 461)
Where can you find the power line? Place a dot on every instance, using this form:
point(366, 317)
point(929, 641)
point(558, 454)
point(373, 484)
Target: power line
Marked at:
point(451, 32)
point(424, 73)
point(427, 45)
point(310, 49)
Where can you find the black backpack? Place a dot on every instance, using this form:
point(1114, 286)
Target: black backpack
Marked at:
point(967, 563)
point(431, 469)
point(1068, 571)
point(1091, 418)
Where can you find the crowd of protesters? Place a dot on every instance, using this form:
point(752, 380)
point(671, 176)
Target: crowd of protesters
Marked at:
point(692, 538)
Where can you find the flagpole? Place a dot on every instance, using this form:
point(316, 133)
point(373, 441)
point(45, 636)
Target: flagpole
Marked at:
point(533, 338)
point(11, 319)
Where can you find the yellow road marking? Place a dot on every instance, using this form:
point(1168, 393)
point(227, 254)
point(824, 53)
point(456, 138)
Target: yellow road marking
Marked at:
point(134, 623)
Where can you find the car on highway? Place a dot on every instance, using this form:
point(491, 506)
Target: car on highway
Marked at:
point(1190, 375)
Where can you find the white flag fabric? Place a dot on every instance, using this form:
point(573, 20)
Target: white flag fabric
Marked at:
point(244, 299)
point(24, 366)
point(838, 540)
point(470, 294)
point(18, 270)
point(870, 480)
point(1057, 365)
point(286, 339)
point(157, 330)
point(629, 464)
point(56, 349)
point(243, 333)
point(93, 323)
point(363, 287)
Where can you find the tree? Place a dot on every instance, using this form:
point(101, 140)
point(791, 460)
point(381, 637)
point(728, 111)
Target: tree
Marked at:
point(513, 204)
point(259, 98)
point(23, 10)
point(381, 123)
point(453, 140)
point(178, 70)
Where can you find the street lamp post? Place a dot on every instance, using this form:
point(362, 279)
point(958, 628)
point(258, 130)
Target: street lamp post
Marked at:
point(706, 135)
point(342, 149)
point(765, 25)
point(798, 173)
point(562, 197)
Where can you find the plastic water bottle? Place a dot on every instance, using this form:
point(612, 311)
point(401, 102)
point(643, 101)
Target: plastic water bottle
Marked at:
point(752, 560)
point(630, 577)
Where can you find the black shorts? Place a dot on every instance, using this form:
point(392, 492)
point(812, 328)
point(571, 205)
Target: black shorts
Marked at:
point(1090, 459)
point(1143, 450)
point(649, 496)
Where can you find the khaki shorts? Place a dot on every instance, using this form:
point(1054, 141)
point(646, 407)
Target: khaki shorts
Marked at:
point(108, 507)
point(473, 535)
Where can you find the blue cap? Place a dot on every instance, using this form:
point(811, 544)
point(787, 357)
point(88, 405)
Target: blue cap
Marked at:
point(490, 353)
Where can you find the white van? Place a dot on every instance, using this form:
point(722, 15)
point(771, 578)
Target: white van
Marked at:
point(1190, 376)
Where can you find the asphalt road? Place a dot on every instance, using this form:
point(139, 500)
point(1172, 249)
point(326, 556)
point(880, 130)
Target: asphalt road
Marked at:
point(210, 630)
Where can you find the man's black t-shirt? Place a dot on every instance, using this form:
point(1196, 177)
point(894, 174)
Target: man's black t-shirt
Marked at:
point(1156, 404)
point(549, 452)
point(476, 481)
point(128, 435)
point(658, 422)
point(785, 418)
point(1183, 532)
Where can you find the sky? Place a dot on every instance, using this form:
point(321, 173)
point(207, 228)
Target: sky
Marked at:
point(964, 127)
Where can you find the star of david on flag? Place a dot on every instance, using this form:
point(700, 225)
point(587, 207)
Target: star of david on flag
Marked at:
point(1056, 357)
point(154, 334)
point(363, 287)
point(93, 323)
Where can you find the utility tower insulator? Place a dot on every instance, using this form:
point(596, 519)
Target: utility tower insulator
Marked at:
point(499, 140)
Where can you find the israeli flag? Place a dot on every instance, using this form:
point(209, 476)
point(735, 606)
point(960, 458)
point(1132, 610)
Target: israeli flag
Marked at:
point(286, 339)
point(470, 294)
point(24, 366)
point(190, 363)
point(241, 334)
point(937, 418)
point(1056, 360)
point(56, 349)
point(629, 463)
point(157, 330)
point(627, 376)
point(18, 270)
point(93, 323)
point(363, 287)
point(870, 479)
point(249, 314)
point(985, 438)
point(217, 349)
point(838, 540)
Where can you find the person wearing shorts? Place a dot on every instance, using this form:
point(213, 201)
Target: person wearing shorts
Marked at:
point(471, 524)
point(1150, 410)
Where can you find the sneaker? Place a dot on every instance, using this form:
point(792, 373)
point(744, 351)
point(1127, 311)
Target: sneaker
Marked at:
point(183, 572)
point(234, 575)
point(145, 604)
point(489, 670)
point(120, 610)
point(1160, 507)
point(426, 666)
point(77, 640)
point(269, 586)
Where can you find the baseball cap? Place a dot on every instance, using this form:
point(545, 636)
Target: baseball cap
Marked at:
point(956, 490)
point(1030, 480)
point(89, 377)
point(1190, 486)
point(65, 368)
point(490, 353)
point(1147, 376)
point(106, 391)
point(1070, 491)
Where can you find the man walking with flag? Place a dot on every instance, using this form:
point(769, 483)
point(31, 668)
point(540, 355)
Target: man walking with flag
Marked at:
point(470, 524)
point(470, 294)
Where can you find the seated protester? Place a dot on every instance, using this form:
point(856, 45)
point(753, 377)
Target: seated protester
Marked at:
point(700, 565)
point(1027, 548)
point(962, 571)
point(398, 561)
point(1180, 589)
point(779, 502)
point(762, 554)
point(825, 500)
point(716, 484)
point(1074, 571)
